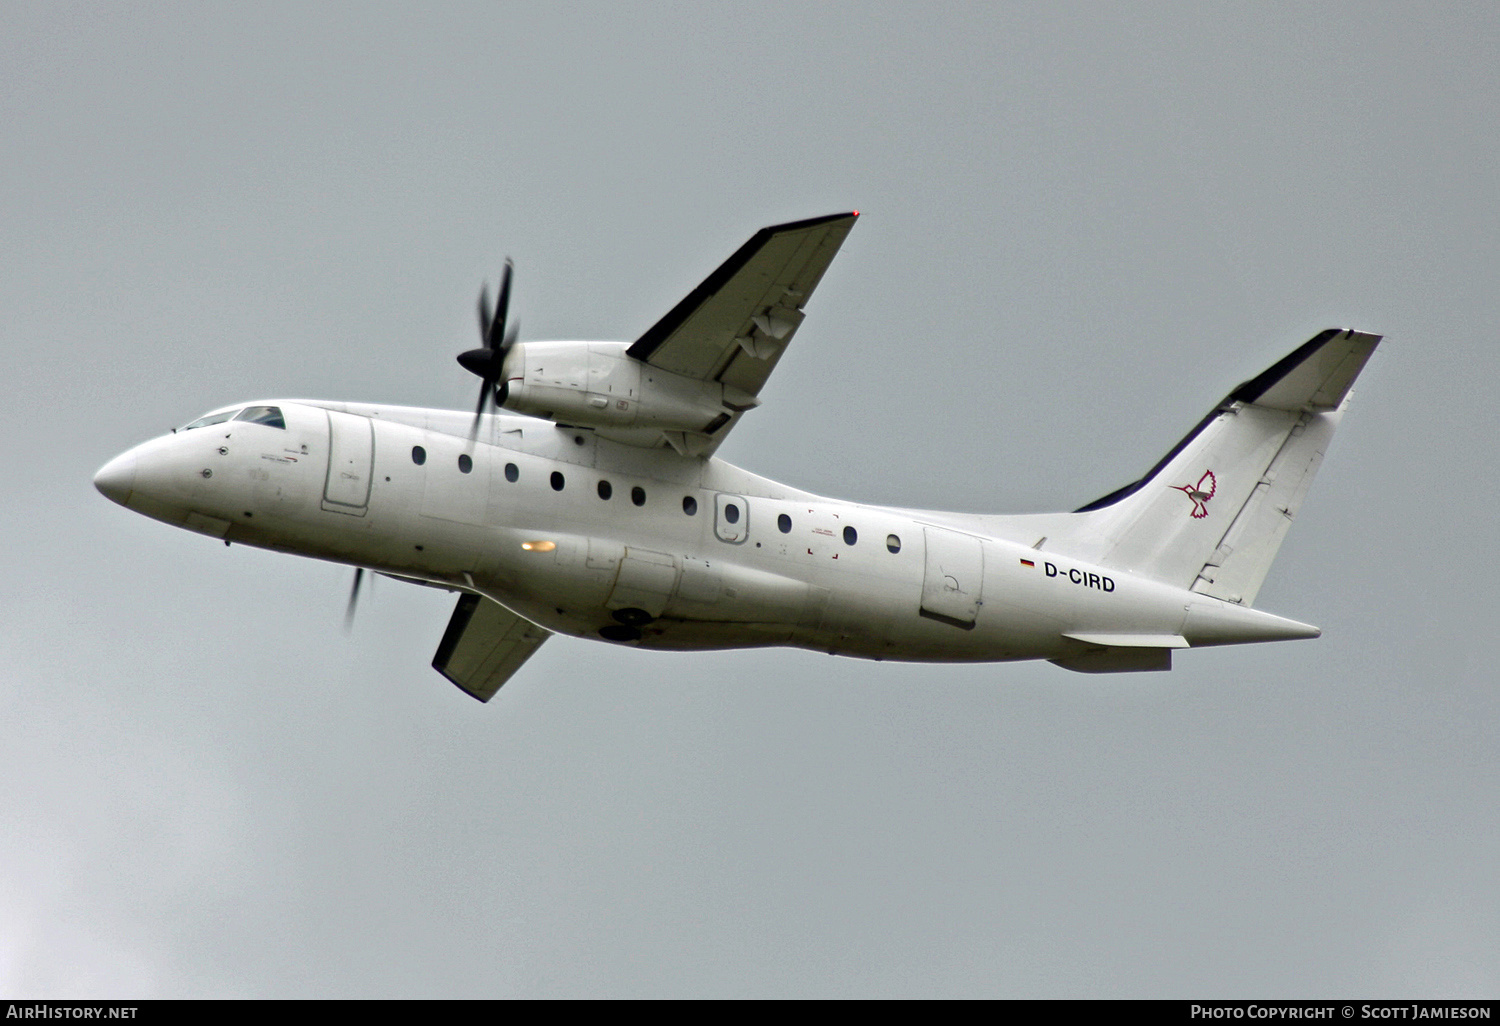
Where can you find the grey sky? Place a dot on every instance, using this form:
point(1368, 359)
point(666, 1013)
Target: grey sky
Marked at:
point(1082, 225)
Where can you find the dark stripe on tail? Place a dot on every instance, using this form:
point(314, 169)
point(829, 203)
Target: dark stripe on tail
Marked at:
point(1247, 392)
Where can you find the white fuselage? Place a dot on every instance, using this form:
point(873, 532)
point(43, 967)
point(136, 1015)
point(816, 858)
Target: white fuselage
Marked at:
point(594, 538)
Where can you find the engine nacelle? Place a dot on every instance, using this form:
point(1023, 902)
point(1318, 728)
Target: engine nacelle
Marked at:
point(595, 384)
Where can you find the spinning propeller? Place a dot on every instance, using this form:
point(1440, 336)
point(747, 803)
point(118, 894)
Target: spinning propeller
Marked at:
point(496, 338)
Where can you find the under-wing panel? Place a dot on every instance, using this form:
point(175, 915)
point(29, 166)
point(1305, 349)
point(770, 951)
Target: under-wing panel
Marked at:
point(485, 643)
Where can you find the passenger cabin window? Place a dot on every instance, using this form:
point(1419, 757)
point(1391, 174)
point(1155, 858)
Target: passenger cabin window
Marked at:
point(212, 418)
point(270, 416)
point(689, 505)
point(557, 481)
point(850, 536)
point(418, 455)
point(784, 522)
point(638, 495)
point(605, 490)
point(731, 513)
point(512, 472)
point(465, 463)
point(893, 543)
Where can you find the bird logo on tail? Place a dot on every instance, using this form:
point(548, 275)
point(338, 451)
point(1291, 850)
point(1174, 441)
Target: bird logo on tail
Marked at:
point(1200, 493)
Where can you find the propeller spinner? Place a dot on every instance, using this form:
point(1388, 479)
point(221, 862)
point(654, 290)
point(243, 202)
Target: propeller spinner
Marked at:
point(496, 337)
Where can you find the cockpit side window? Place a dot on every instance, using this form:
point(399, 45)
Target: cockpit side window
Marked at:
point(212, 418)
point(267, 415)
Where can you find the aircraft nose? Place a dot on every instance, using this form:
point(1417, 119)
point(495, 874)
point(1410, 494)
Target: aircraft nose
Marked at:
point(116, 479)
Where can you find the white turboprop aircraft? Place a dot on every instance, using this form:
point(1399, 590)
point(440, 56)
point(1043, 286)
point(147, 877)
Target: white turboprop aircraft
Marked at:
point(609, 517)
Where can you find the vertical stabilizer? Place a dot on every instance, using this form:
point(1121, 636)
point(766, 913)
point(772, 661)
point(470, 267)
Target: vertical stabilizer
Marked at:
point(1212, 513)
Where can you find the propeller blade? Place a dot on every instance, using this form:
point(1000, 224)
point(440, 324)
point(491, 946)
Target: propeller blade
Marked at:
point(502, 308)
point(359, 573)
point(484, 315)
point(484, 391)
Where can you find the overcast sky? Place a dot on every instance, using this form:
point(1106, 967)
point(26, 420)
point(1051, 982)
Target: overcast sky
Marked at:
point(1082, 224)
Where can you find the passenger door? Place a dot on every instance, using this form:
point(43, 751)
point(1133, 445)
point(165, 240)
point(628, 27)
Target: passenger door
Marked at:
point(351, 453)
point(731, 518)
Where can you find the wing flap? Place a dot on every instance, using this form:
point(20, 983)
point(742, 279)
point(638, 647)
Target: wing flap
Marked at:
point(484, 645)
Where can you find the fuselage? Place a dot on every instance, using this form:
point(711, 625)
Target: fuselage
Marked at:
point(594, 538)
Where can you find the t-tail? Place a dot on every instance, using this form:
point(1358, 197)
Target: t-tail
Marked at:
point(1211, 515)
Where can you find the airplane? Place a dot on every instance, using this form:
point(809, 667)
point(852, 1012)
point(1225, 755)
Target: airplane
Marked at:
point(583, 498)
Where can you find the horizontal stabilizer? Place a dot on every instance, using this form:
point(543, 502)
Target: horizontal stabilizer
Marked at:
point(1132, 640)
point(1316, 376)
point(1117, 659)
point(485, 644)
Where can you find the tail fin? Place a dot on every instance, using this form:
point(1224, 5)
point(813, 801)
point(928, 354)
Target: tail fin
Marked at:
point(1212, 514)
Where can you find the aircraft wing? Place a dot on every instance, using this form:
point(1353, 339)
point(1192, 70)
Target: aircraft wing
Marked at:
point(735, 325)
point(485, 643)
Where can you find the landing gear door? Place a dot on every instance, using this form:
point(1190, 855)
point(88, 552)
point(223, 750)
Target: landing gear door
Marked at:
point(731, 518)
point(646, 583)
point(351, 452)
point(953, 578)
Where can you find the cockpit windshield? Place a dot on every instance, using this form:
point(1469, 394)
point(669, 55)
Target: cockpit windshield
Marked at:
point(267, 415)
point(212, 418)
